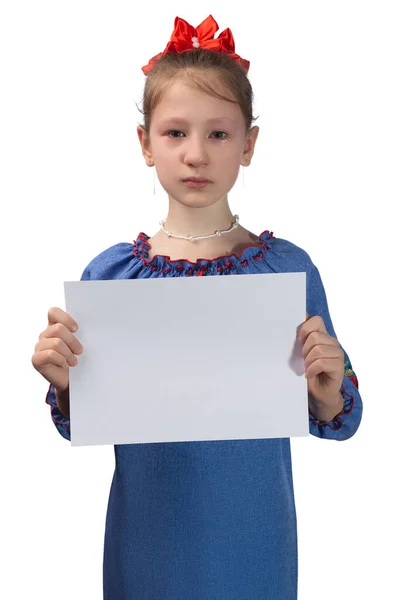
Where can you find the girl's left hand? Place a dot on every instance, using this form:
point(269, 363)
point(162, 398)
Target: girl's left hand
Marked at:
point(323, 361)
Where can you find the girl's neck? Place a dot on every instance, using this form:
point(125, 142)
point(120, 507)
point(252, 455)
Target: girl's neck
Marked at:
point(187, 221)
point(176, 249)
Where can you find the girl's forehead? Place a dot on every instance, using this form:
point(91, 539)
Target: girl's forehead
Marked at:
point(179, 99)
point(179, 91)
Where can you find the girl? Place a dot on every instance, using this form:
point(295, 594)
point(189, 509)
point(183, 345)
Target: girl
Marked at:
point(205, 520)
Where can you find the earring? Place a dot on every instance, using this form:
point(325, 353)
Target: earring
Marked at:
point(150, 163)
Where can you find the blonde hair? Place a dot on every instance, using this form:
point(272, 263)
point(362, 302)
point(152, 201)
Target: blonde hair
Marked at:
point(194, 66)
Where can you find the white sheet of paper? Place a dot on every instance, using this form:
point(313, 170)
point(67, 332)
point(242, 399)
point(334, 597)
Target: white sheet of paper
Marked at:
point(188, 359)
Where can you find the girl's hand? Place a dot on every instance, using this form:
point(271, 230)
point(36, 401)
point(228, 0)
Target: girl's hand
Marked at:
point(54, 352)
point(323, 363)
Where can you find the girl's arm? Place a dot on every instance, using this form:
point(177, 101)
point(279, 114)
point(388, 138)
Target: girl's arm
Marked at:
point(60, 421)
point(59, 401)
point(62, 399)
point(345, 424)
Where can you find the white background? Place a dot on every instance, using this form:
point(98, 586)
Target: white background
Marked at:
point(325, 176)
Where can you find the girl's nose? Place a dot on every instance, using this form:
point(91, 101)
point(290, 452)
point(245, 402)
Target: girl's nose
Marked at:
point(195, 153)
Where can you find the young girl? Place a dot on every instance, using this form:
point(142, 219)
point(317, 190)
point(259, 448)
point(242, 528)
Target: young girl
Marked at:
point(215, 519)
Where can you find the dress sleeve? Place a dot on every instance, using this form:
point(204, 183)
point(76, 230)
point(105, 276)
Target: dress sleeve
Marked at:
point(62, 424)
point(346, 423)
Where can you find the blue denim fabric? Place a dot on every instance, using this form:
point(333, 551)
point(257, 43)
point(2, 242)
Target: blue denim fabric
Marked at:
point(208, 520)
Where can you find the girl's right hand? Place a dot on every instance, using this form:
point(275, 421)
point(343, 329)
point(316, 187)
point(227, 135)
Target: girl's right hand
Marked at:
point(56, 349)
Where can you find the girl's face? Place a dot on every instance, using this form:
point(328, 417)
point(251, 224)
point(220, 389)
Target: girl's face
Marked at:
point(193, 134)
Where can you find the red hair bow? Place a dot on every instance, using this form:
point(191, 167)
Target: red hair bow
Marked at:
point(185, 37)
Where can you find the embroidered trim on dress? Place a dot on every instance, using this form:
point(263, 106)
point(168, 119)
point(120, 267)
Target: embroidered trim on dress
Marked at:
point(348, 404)
point(141, 250)
point(53, 407)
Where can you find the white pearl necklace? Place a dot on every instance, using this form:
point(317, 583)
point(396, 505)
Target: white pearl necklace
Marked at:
point(190, 238)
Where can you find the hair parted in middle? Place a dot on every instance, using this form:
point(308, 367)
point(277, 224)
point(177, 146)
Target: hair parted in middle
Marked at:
point(212, 72)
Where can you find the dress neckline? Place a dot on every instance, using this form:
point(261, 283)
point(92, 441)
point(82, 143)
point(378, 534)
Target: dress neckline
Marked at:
point(142, 248)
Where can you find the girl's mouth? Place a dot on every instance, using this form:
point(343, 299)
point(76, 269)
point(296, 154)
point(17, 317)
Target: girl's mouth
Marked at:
point(195, 184)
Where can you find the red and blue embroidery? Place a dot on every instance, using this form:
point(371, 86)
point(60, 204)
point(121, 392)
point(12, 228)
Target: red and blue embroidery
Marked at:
point(348, 371)
point(141, 250)
point(348, 402)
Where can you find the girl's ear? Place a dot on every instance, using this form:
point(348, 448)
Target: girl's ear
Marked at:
point(248, 150)
point(145, 144)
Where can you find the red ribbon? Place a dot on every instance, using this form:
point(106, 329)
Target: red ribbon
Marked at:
point(181, 41)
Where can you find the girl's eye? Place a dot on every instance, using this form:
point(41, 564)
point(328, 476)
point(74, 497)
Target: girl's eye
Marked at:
point(173, 131)
point(177, 137)
point(223, 133)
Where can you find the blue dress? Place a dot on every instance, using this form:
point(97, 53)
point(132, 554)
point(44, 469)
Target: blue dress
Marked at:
point(209, 520)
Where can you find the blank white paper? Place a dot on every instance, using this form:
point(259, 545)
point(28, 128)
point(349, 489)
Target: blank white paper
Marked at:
point(188, 359)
